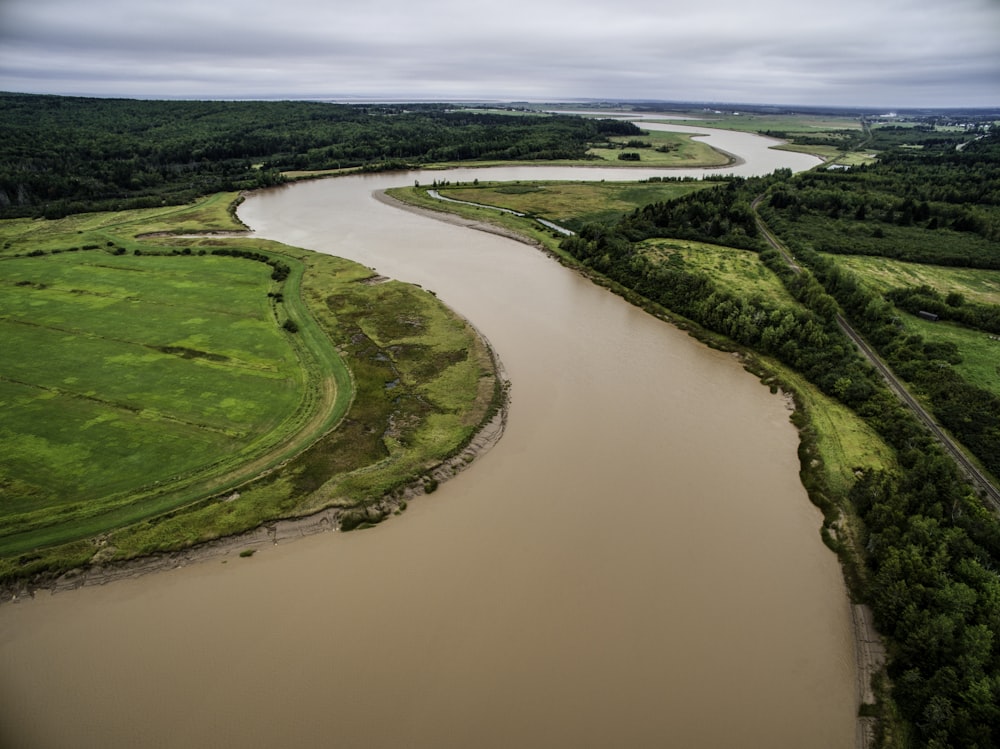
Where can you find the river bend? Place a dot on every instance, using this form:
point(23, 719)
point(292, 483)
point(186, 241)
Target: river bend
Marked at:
point(635, 564)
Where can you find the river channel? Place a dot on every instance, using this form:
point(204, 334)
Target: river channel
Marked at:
point(635, 564)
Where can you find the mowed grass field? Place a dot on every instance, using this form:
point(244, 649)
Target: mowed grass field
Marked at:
point(157, 393)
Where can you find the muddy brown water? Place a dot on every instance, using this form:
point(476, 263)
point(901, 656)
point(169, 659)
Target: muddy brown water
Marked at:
point(635, 564)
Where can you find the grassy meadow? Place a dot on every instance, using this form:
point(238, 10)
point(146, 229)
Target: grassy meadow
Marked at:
point(661, 149)
point(882, 274)
point(980, 353)
point(157, 393)
point(569, 204)
point(843, 443)
point(825, 136)
point(750, 122)
point(94, 230)
point(732, 270)
point(146, 359)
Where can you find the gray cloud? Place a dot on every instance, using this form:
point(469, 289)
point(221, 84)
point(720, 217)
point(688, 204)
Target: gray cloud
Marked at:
point(893, 53)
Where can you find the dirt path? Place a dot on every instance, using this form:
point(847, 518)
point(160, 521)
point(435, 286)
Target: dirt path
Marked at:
point(870, 654)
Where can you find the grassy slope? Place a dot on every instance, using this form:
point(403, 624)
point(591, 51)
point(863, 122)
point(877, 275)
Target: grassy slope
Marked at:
point(738, 272)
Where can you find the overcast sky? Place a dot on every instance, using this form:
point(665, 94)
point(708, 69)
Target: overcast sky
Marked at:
point(872, 53)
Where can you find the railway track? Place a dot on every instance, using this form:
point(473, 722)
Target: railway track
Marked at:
point(982, 483)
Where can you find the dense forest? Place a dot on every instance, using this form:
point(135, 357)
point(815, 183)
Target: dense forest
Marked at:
point(933, 549)
point(920, 205)
point(62, 155)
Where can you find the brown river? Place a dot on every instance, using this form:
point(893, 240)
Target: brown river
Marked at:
point(635, 564)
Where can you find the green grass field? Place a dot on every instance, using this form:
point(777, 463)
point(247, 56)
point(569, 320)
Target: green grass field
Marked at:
point(980, 353)
point(802, 126)
point(844, 443)
point(664, 149)
point(571, 204)
point(882, 274)
point(832, 155)
point(95, 230)
point(738, 272)
point(144, 357)
point(144, 378)
point(750, 122)
point(135, 383)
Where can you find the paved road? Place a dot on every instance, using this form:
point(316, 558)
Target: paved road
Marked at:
point(978, 479)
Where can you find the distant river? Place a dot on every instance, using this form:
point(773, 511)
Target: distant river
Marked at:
point(635, 564)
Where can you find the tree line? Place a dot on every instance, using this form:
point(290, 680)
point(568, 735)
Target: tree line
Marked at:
point(62, 155)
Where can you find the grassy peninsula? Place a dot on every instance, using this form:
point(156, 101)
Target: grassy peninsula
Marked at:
point(163, 387)
point(162, 390)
